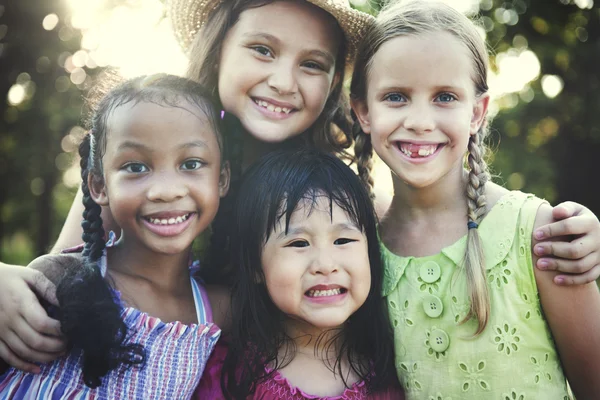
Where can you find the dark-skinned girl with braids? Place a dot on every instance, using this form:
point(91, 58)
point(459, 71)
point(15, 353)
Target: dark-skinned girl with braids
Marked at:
point(138, 323)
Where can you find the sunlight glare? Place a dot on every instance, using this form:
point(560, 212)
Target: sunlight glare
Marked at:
point(552, 85)
point(515, 70)
point(135, 38)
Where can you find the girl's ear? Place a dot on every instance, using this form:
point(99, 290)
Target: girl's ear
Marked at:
point(479, 112)
point(224, 179)
point(97, 189)
point(362, 113)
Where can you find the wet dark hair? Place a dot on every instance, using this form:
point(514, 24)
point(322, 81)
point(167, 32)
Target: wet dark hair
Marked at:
point(89, 313)
point(270, 192)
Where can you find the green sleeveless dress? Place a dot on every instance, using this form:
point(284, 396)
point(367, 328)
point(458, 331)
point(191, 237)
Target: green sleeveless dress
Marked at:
point(436, 358)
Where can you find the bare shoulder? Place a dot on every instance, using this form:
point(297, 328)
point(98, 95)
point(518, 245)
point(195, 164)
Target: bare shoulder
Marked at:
point(54, 266)
point(220, 302)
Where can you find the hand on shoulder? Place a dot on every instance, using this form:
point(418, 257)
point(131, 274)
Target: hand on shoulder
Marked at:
point(27, 333)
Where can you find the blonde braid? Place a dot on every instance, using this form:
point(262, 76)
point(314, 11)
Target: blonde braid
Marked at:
point(474, 259)
point(363, 151)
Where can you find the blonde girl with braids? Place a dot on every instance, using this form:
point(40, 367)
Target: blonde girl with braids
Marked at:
point(472, 317)
point(139, 326)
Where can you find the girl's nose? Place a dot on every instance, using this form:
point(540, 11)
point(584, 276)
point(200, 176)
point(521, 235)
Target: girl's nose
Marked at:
point(420, 119)
point(166, 188)
point(282, 79)
point(323, 263)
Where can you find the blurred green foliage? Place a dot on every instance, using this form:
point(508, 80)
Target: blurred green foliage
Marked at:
point(543, 145)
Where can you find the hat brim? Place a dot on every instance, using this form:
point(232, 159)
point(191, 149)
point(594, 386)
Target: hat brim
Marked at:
point(188, 16)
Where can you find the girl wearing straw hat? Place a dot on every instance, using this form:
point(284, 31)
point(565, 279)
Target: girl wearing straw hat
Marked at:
point(278, 69)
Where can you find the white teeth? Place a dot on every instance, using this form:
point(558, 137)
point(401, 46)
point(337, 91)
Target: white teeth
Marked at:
point(423, 151)
point(170, 221)
point(272, 107)
point(321, 293)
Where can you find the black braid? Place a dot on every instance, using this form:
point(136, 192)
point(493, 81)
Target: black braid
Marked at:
point(90, 318)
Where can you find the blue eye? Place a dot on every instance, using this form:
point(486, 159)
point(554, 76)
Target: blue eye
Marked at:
point(394, 98)
point(191, 165)
point(135, 168)
point(446, 98)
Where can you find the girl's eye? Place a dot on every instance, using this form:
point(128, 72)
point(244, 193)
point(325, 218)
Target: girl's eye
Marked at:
point(298, 243)
point(135, 168)
point(191, 165)
point(394, 98)
point(314, 65)
point(263, 50)
point(446, 98)
point(341, 241)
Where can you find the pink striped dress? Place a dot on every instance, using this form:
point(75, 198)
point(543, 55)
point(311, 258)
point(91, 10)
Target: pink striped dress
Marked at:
point(176, 355)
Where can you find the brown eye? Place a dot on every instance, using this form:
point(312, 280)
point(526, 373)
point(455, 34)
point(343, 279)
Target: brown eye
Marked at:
point(298, 243)
point(135, 168)
point(191, 165)
point(341, 241)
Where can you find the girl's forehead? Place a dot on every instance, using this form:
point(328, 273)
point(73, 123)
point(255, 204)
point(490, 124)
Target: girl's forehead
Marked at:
point(438, 58)
point(165, 123)
point(290, 21)
point(318, 208)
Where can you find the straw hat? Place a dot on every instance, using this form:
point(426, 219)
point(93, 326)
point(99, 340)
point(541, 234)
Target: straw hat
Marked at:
point(187, 17)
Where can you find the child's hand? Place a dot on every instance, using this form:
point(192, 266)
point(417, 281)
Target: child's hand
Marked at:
point(27, 333)
point(578, 254)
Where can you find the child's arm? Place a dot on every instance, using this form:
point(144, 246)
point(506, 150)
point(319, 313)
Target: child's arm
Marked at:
point(27, 333)
point(578, 254)
point(573, 314)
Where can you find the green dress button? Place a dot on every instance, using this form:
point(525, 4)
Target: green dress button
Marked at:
point(430, 272)
point(439, 340)
point(433, 306)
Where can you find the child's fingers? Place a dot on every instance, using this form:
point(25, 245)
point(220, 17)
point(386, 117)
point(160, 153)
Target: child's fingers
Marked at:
point(579, 279)
point(13, 360)
point(35, 341)
point(566, 209)
point(572, 226)
point(38, 319)
point(24, 351)
point(577, 266)
point(573, 250)
point(41, 285)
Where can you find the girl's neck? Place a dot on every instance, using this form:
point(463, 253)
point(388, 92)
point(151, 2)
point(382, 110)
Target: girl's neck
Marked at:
point(422, 221)
point(316, 364)
point(315, 342)
point(166, 273)
point(255, 149)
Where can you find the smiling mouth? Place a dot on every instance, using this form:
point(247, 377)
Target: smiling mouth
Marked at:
point(324, 293)
point(168, 221)
point(272, 107)
point(413, 150)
